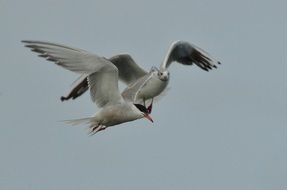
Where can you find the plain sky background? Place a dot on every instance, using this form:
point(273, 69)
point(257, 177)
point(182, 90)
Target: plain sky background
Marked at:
point(224, 129)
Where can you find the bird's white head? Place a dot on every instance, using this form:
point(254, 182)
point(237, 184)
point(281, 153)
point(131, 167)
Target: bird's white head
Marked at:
point(163, 75)
point(143, 111)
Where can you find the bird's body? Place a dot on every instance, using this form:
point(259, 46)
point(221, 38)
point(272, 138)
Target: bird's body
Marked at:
point(116, 114)
point(145, 88)
point(111, 115)
point(151, 88)
point(101, 76)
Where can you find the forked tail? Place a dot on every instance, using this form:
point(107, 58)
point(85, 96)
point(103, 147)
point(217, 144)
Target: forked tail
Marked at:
point(94, 126)
point(87, 120)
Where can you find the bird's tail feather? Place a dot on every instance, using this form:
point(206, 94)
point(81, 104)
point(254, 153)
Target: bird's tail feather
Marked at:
point(87, 120)
point(93, 125)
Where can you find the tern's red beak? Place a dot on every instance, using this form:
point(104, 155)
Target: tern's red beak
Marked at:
point(148, 117)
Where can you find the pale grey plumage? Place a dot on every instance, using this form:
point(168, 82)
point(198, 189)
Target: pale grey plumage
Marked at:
point(188, 54)
point(138, 80)
point(129, 71)
point(104, 73)
point(102, 79)
point(141, 85)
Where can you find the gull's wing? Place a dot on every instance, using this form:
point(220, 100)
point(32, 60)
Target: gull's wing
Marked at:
point(79, 87)
point(102, 74)
point(188, 54)
point(129, 71)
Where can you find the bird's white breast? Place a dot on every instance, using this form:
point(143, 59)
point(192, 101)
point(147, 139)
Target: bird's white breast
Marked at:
point(152, 87)
point(115, 114)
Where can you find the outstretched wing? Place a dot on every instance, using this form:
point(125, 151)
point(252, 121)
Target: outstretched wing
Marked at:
point(188, 54)
point(79, 87)
point(129, 72)
point(102, 74)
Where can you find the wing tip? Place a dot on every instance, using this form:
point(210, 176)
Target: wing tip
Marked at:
point(27, 41)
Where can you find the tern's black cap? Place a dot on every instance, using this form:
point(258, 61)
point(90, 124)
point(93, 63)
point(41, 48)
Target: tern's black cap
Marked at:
point(141, 108)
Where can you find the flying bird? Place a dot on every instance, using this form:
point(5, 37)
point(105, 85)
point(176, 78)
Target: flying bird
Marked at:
point(102, 78)
point(143, 85)
point(101, 75)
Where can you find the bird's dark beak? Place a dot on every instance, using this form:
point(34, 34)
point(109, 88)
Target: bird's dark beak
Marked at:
point(148, 117)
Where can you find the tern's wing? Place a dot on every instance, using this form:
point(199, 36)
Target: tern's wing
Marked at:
point(102, 74)
point(188, 54)
point(129, 71)
point(132, 91)
point(79, 87)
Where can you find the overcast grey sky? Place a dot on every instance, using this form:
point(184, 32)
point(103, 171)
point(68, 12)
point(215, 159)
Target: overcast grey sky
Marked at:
point(226, 129)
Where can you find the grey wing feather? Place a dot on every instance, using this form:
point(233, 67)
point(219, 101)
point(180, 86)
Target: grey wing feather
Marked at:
point(103, 75)
point(73, 59)
point(129, 71)
point(79, 86)
point(202, 59)
point(188, 54)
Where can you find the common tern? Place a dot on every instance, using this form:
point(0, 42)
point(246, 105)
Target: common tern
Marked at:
point(102, 78)
point(143, 85)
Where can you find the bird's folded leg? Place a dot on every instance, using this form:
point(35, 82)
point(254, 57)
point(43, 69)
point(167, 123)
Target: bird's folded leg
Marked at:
point(96, 129)
point(149, 109)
